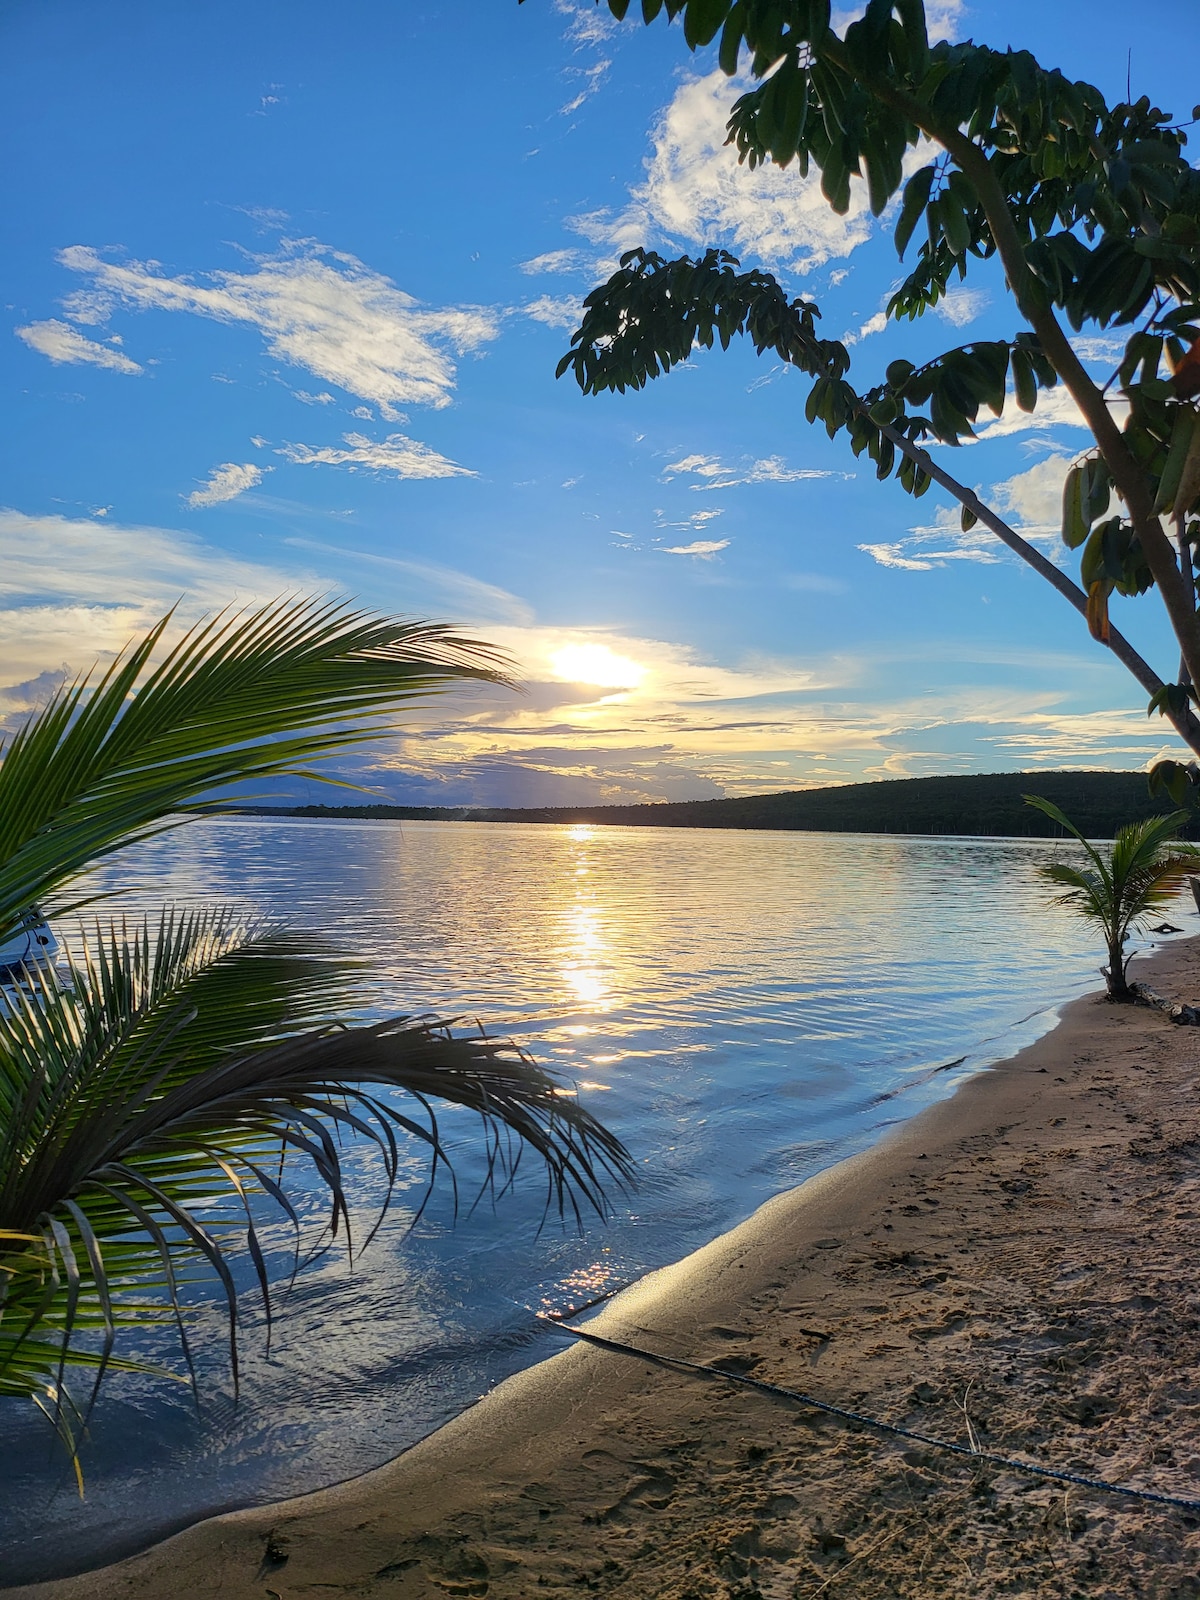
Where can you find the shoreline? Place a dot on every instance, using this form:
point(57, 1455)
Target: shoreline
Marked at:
point(991, 1264)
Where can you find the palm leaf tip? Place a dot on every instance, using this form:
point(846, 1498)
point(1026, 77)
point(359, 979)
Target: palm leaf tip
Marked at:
point(244, 695)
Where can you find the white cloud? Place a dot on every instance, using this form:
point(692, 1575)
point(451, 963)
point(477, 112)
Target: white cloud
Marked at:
point(695, 519)
point(961, 306)
point(586, 24)
point(397, 454)
point(1055, 409)
point(942, 18)
point(565, 312)
point(1032, 500)
point(938, 542)
point(265, 216)
point(63, 343)
point(706, 549)
point(874, 324)
point(554, 261)
point(715, 475)
point(696, 191)
point(107, 582)
point(226, 482)
point(892, 555)
point(322, 399)
point(593, 81)
point(316, 308)
point(1098, 348)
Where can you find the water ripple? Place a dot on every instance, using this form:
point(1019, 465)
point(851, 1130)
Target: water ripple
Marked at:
point(743, 1008)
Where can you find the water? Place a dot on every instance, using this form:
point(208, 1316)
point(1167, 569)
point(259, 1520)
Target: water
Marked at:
point(742, 1008)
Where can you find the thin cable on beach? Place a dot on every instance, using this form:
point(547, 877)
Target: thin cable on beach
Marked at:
point(777, 1391)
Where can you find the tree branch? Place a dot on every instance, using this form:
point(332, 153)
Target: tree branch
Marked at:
point(1185, 723)
point(1128, 476)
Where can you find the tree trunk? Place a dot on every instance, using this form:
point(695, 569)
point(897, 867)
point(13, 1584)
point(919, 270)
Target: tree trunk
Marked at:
point(1114, 973)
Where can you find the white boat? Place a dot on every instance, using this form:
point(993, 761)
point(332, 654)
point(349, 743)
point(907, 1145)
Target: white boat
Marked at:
point(33, 945)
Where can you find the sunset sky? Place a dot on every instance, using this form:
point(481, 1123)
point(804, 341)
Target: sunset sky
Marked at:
point(285, 285)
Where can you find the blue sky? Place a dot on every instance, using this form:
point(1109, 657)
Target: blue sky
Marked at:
point(285, 287)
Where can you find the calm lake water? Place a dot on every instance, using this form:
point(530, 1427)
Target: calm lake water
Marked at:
point(742, 1008)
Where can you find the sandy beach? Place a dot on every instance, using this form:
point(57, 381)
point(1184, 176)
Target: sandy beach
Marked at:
point(1017, 1265)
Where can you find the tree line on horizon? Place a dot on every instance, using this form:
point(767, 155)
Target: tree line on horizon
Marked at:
point(989, 804)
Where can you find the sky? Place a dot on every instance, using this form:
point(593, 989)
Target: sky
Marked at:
point(285, 285)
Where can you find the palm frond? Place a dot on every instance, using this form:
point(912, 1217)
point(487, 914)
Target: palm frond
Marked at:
point(170, 1076)
point(1140, 873)
point(242, 695)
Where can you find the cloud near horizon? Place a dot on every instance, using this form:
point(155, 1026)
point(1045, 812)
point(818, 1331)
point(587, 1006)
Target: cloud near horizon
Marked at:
point(604, 715)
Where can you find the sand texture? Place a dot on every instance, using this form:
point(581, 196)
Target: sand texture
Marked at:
point(1019, 1262)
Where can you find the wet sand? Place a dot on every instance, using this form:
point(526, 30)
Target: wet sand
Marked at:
point(1019, 1264)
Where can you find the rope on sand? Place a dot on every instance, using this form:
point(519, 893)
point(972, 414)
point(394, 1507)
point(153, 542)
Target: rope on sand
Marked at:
point(890, 1428)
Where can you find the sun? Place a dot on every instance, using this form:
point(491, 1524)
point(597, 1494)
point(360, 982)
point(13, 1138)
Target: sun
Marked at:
point(596, 664)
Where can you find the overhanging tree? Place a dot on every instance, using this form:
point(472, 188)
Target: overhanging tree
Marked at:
point(1094, 216)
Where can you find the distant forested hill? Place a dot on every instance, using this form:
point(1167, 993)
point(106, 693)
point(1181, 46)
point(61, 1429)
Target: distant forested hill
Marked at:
point(1099, 802)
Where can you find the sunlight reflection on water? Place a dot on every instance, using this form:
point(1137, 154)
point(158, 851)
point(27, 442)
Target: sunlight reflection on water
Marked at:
point(742, 1008)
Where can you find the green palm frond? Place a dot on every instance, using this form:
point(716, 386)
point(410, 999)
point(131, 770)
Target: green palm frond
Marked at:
point(184, 1068)
point(1118, 891)
point(154, 1104)
point(242, 695)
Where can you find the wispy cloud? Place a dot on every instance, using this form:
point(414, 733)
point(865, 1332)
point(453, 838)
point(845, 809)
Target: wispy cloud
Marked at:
point(714, 474)
point(706, 549)
point(108, 581)
point(695, 191)
point(554, 261)
point(564, 312)
point(397, 454)
point(1055, 409)
point(592, 80)
point(962, 306)
point(62, 343)
point(695, 519)
point(226, 482)
point(586, 24)
point(472, 599)
point(1030, 500)
point(316, 308)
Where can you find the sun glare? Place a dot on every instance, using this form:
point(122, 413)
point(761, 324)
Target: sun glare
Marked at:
point(596, 663)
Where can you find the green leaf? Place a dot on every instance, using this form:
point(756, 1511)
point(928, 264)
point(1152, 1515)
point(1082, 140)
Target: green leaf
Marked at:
point(1184, 433)
point(916, 197)
point(955, 223)
point(1075, 525)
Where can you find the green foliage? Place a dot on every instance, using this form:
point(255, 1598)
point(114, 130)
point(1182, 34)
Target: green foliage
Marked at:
point(1119, 889)
point(184, 1067)
point(1093, 211)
